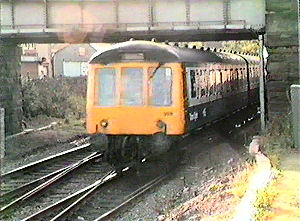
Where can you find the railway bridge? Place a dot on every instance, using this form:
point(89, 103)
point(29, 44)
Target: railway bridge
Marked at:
point(76, 21)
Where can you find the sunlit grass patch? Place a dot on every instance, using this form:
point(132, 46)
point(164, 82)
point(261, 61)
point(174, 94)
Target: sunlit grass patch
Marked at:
point(264, 200)
point(240, 183)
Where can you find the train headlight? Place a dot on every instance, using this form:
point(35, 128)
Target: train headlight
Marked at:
point(160, 124)
point(104, 123)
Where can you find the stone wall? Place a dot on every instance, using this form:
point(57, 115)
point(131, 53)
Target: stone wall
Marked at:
point(10, 86)
point(283, 62)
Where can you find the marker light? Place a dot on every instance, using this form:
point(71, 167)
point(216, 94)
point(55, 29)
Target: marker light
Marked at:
point(104, 123)
point(160, 124)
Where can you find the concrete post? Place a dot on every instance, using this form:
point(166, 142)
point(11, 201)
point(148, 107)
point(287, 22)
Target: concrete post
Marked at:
point(2, 133)
point(262, 85)
point(295, 98)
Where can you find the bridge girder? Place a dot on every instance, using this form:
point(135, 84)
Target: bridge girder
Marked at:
point(114, 20)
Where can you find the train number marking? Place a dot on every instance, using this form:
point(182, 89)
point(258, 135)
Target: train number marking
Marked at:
point(194, 116)
point(204, 113)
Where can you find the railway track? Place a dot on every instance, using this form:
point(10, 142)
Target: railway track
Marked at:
point(28, 177)
point(21, 193)
point(65, 182)
point(106, 196)
point(94, 192)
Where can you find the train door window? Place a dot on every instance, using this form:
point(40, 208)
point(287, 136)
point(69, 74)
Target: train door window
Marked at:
point(212, 79)
point(220, 83)
point(193, 84)
point(225, 77)
point(240, 77)
point(161, 87)
point(236, 79)
point(106, 87)
point(132, 86)
point(245, 78)
point(228, 81)
point(198, 79)
point(203, 84)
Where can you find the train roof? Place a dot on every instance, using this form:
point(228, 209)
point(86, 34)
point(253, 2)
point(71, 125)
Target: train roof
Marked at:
point(162, 53)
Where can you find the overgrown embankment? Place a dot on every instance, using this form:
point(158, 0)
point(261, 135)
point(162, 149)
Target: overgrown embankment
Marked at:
point(278, 139)
point(279, 147)
point(61, 98)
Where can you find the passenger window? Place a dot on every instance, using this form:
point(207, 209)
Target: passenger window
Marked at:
point(132, 86)
point(106, 87)
point(161, 94)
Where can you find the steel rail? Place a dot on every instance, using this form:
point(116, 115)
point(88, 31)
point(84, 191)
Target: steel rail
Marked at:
point(78, 201)
point(51, 181)
point(133, 196)
point(27, 185)
point(13, 192)
point(10, 173)
point(106, 178)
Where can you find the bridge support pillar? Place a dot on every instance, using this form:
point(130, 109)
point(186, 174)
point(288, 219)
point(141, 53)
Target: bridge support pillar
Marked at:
point(283, 48)
point(10, 86)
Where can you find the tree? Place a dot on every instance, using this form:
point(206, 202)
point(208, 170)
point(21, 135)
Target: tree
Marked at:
point(242, 46)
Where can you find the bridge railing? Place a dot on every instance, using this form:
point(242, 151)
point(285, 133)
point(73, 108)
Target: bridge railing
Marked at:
point(239, 24)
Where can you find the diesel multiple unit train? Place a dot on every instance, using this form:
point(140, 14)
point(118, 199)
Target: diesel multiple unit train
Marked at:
point(143, 95)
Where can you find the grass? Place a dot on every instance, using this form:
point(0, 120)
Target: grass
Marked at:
point(278, 142)
point(278, 139)
point(264, 200)
point(240, 183)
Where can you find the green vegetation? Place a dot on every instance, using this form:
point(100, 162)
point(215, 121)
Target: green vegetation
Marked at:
point(61, 98)
point(278, 139)
point(264, 200)
point(240, 183)
point(242, 46)
point(239, 46)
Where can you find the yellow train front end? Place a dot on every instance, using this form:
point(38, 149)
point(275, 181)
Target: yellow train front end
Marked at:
point(136, 108)
point(136, 99)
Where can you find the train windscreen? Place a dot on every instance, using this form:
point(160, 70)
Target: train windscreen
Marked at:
point(107, 87)
point(161, 88)
point(132, 87)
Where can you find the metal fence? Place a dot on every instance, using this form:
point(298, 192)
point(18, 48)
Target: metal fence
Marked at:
point(295, 98)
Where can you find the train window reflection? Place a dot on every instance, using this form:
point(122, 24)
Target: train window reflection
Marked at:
point(132, 86)
point(161, 87)
point(107, 87)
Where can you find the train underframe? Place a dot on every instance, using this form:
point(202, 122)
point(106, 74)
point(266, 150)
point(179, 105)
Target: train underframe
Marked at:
point(122, 150)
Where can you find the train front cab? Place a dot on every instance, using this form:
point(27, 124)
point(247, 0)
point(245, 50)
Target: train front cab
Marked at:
point(136, 99)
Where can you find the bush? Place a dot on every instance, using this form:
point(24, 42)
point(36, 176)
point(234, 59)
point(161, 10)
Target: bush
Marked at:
point(61, 98)
point(278, 139)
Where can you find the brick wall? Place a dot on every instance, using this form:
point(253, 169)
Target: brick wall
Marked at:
point(283, 62)
point(10, 86)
